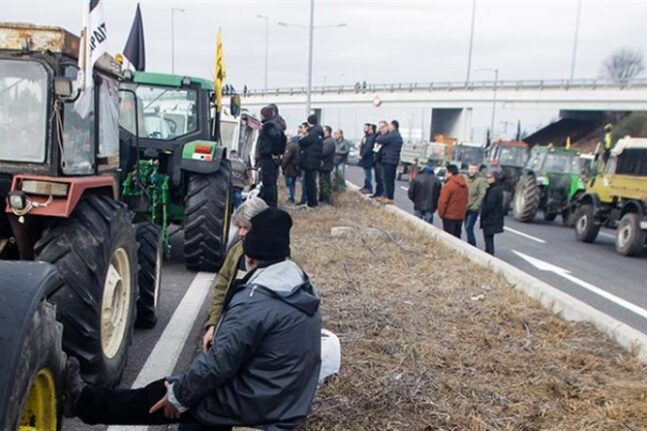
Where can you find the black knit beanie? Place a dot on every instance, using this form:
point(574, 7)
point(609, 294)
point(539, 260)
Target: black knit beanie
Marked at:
point(312, 119)
point(269, 237)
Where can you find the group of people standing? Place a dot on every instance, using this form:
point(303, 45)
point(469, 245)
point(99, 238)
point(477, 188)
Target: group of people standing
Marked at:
point(379, 156)
point(460, 201)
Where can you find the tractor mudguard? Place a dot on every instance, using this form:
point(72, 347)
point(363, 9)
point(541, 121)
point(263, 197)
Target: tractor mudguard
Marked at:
point(632, 206)
point(23, 285)
point(589, 199)
point(202, 157)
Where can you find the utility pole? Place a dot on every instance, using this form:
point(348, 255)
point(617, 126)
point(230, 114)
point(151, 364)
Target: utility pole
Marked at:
point(310, 47)
point(267, 34)
point(469, 52)
point(575, 39)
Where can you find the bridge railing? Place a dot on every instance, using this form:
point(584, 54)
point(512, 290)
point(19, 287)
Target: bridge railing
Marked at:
point(358, 88)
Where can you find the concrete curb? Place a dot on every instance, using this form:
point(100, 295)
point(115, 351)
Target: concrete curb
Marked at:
point(551, 298)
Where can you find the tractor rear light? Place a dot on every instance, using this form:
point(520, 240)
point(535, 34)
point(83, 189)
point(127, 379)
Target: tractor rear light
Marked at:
point(203, 149)
point(17, 200)
point(44, 188)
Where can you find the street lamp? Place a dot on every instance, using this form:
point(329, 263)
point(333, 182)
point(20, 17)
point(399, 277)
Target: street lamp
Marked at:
point(469, 52)
point(496, 80)
point(311, 29)
point(267, 32)
point(173, 10)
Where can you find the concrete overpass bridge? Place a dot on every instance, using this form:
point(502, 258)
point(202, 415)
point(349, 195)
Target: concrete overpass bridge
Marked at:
point(452, 103)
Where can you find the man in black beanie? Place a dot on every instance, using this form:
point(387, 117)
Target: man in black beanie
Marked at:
point(311, 147)
point(262, 368)
point(271, 146)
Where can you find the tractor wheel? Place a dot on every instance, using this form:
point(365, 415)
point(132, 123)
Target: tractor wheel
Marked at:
point(549, 216)
point(507, 201)
point(526, 199)
point(96, 254)
point(630, 238)
point(151, 249)
point(586, 227)
point(207, 211)
point(568, 218)
point(32, 359)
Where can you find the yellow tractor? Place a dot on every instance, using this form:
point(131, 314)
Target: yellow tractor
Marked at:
point(616, 197)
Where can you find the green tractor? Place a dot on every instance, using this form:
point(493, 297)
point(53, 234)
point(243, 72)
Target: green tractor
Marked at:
point(180, 172)
point(550, 182)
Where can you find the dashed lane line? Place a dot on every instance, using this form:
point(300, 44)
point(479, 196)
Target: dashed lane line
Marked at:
point(525, 235)
point(162, 360)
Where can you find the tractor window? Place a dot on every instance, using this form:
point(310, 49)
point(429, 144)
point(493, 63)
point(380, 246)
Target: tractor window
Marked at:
point(108, 119)
point(512, 156)
point(565, 163)
point(23, 111)
point(633, 161)
point(227, 135)
point(536, 159)
point(168, 112)
point(78, 143)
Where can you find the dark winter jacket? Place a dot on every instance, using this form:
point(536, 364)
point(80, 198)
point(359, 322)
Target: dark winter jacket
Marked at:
point(328, 155)
point(492, 212)
point(310, 147)
point(290, 162)
point(452, 203)
point(366, 151)
point(424, 191)
point(271, 140)
point(263, 366)
point(391, 146)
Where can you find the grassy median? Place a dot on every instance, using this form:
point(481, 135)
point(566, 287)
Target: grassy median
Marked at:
point(431, 341)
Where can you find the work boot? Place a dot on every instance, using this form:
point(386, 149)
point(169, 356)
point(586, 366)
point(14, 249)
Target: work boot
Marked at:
point(74, 385)
point(387, 201)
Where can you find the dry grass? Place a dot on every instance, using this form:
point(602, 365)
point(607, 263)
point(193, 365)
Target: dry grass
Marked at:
point(421, 351)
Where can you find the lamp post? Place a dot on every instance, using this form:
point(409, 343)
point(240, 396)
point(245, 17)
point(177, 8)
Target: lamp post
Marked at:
point(469, 52)
point(267, 33)
point(577, 32)
point(311, 29)
point(173, 10)
point(496, 81)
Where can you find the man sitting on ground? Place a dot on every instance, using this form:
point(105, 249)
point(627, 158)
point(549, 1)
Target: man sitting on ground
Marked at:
point(262, 368)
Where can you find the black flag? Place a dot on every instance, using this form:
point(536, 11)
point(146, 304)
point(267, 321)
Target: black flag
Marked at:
point(134, 50)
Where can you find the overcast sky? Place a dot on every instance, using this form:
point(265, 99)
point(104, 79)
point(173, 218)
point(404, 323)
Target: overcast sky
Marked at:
point(383, 41)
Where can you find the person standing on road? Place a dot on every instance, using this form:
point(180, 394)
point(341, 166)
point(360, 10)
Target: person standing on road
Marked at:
point(391, 144)
point(476, 187)
point(492, 211)
point(342, 149)
point(424, 192)
point(271, 146)
point(327, 166)
point(262, 369)
point(452, 203)
point(366, 157)
point(290, 167)
point(378, 153)
point(310, 147)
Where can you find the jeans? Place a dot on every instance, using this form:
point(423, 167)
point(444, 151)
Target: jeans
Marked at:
point(291, 184)
point(489, 243)
point(325, 187)
point(106, 406)
point(237, 197)
point(389, 181)
point(470, 222)
point(311, 187)
point(269, 175)
point(368, 179)
point(304, 194)
point(453, 227)
point(341, 168)
point(427, 216)
point(379, 179)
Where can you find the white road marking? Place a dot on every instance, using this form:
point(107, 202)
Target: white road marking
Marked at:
point(564, 273)
point(404, 188)
point(525, 235)
point(607, 235)
point(162, 360)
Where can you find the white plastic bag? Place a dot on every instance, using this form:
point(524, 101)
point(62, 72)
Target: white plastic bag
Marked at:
point(330, 355)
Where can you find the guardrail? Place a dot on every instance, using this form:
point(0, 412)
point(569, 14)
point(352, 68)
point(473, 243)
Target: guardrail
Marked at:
point(358, 88)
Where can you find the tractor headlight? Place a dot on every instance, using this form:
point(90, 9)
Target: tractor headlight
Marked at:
point(17, 200)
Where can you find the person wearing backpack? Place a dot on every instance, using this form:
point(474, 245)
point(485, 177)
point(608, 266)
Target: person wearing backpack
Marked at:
point(271, 146)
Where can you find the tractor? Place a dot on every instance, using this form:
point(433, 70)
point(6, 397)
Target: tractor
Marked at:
point(616, 197)
point(510, 157)
point(550, 182)
point(180, 174)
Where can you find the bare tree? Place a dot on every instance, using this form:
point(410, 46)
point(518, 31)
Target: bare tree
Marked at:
point(623, 65)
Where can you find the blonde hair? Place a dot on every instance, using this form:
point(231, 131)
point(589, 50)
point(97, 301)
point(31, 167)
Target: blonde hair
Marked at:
point(245, 213)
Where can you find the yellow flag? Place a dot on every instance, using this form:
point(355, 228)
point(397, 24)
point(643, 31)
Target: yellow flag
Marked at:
point(219, 71)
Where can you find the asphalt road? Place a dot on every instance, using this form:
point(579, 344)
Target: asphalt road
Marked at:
point(593, 273)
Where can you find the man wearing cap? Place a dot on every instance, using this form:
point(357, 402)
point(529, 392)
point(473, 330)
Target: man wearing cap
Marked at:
point(263, 367)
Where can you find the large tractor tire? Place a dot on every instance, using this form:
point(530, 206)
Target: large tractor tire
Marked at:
point(586, 226)
point(96, 254)
point(526, 199)
point(630, 238)
point(206, 224)
point(31, 359)
point(150, 256)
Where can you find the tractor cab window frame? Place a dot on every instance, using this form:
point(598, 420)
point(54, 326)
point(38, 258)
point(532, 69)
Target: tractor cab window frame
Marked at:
point(79, 139)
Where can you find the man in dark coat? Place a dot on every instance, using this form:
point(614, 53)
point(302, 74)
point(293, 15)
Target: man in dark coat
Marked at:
point(310, 147)
point(424, 192)
point(366, 157)
point(492, 211)
point(271, 146)
point(262, 368)
point(290, 167)
point(378, 152)
point(327, 166)
point(391, 144)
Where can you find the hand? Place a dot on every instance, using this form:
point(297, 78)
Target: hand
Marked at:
point(170, 412)
point(207, 339)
